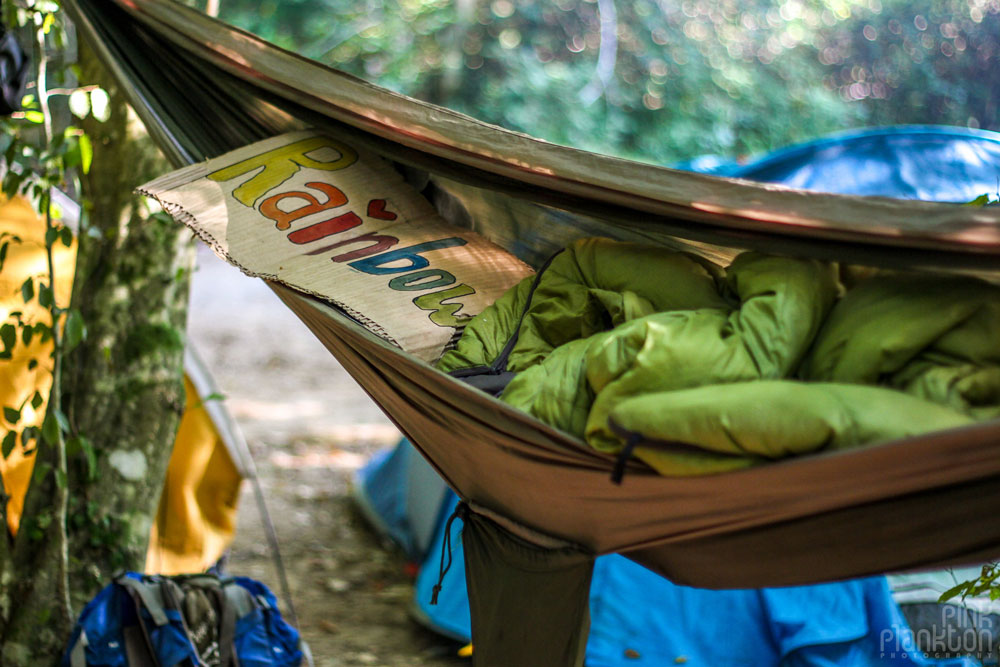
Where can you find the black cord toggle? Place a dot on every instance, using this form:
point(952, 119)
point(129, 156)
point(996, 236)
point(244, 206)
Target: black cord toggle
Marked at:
point(461, 511)
point(619, 472)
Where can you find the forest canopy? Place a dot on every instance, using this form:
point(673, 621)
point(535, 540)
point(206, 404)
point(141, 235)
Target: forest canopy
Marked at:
point(657, 80)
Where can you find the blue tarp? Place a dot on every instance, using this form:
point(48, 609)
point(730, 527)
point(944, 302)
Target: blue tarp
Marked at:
point(932, 163)
point(639, 618)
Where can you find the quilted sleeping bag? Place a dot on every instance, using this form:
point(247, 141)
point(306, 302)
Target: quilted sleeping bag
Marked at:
point(696, 369)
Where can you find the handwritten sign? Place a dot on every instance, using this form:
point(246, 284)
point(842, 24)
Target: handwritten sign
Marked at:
point(320, 216)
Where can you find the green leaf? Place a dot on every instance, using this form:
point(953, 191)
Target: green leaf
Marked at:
point(66, 236)
point(32, 364)
point(60, 478)
point(41, 470)
point(50, 428)
point(11, 415)
point(76, 330)
point(86, 153)
point(62, 420)
point(10, 186)
point(27, 101)
point(3, 253)
point(36, 117)
point(51, 234)
point(77, 444)
point(28, 290)
point(37, 400)
point(28, 434)
point(26, 334)
point(50, 20)
point(9, 441)
point(71, 158)
point(954, 591)
point(45, 298)
point(8, 336)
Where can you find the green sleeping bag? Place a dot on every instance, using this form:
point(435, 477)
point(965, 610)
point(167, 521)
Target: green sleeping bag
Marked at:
point(705, 370)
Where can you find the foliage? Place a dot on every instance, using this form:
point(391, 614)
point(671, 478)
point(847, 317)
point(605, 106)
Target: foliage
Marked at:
point(664, 81)
point(988, 582)
point(923, 61)
point(41, 155)
point(116, 347)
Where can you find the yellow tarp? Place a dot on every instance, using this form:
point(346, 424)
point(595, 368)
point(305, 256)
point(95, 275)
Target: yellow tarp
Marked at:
point(196, 519)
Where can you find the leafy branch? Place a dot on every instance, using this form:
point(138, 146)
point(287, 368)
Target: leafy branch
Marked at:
point(39, 159)
point(987, 582)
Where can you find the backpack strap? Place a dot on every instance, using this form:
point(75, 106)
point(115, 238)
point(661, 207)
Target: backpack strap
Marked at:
point(138, 647)
point(236, 603)
point(172, 596)
point(148, 596)
point(240, 598)
point(138, 644)
point(227, 628)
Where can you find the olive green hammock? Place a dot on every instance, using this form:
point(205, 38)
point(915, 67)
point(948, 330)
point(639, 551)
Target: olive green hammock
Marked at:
point(541, 501)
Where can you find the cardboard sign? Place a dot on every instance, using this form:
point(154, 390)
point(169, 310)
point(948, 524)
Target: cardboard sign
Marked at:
point(322, 217)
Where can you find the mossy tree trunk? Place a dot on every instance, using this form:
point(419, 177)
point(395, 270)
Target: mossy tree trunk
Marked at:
point(122, 390)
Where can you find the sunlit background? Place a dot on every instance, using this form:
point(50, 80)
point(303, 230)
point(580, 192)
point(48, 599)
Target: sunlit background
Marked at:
point(660, 81)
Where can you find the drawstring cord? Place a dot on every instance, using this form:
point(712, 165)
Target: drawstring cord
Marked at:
point(619, 472)
point(461, 511)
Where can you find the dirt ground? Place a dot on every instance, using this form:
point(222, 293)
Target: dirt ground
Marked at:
point(309, 427)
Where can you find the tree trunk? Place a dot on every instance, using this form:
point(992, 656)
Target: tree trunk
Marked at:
point(122, 389)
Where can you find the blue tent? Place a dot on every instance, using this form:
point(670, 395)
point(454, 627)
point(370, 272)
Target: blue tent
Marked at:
point(640, 618)
point(927, 162)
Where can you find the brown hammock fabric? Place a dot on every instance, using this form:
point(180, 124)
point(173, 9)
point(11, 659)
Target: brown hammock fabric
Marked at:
point(901, 505)
point(929, 500)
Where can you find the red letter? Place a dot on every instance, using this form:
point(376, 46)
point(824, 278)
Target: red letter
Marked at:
point(323, 229)
point(284, 219)
point(378, 244)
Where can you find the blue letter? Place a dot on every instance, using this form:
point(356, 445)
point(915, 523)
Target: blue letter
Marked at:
point(411, 254)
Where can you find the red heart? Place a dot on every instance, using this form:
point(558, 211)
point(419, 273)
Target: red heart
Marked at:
point(376, 209)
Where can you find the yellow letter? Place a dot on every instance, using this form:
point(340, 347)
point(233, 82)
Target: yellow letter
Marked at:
point(445, 314)
point(281, 164)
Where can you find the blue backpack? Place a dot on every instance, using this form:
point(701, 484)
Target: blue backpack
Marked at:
point(189, 620)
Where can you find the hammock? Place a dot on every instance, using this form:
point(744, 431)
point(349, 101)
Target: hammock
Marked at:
point(203, 88)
